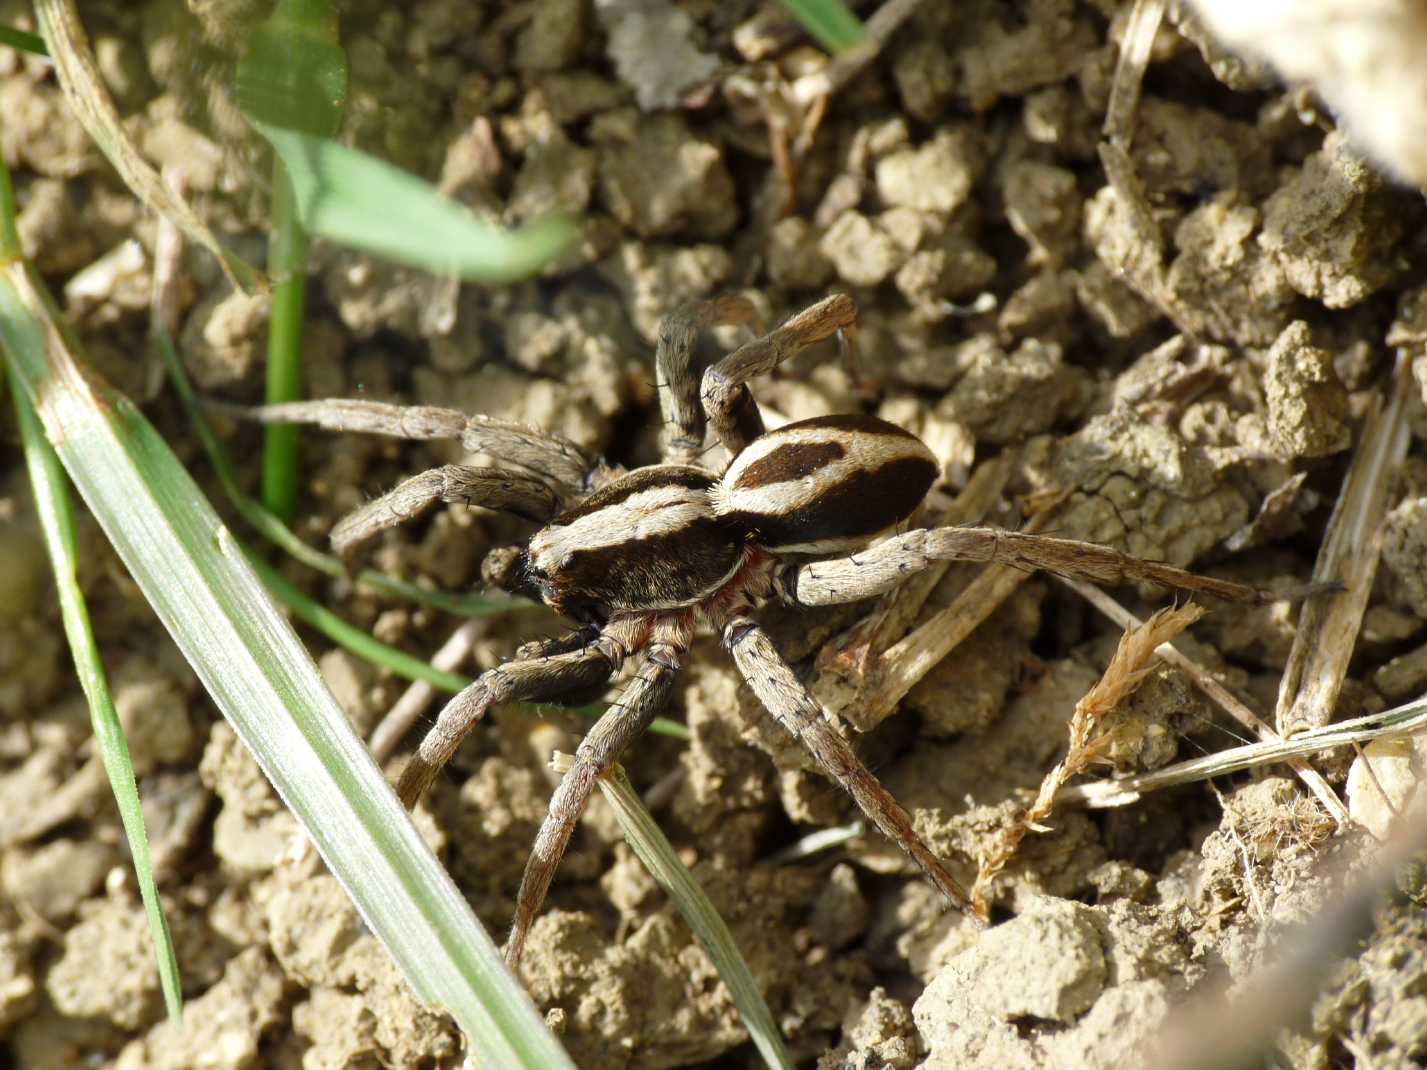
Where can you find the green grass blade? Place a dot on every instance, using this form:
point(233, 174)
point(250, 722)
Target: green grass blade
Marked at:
point(287, 266)
point(25, 42)
point(315, 615)
point(830, 23)
point(190, 569)
point(663, 864)
point(358, 200)
point(318, 616)
point(293, 74)
point(57, 522)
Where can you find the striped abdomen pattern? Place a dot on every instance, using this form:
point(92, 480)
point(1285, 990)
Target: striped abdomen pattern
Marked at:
point(825, 485)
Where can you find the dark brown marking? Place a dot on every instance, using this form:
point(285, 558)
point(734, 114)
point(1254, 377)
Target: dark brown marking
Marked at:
point(862, 504)
point(792, 461)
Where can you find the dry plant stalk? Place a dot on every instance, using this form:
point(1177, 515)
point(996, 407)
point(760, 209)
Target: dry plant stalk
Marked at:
point(408, 709)
point(1088, 734)
point(879, 27)
point(1135, 48)
point(1328, 627)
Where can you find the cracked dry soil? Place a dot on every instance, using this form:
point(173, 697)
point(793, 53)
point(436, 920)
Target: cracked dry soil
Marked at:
point(962, 162)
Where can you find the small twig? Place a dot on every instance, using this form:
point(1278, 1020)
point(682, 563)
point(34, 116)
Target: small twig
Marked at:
point(1400, 721)
point(1130, 71)
point(1088, 735)
point(883, 23)
point(1211, 687)
point(845, 667)
point(1328, 627)
point(1140, 265)
point(902, 666)
point(817, 842)
point(167, 267)
point(661, 792)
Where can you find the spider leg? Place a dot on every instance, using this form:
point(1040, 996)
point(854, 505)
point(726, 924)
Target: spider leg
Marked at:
point(543, 452)
point(494, 488)
point(881, 567)
point(602, 746)
point(724, 384)
point(683, 439)
point(530, 678)
point(789, 702)
point(575, 639)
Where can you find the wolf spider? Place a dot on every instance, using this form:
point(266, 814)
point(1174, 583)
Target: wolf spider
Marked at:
point(639, 559)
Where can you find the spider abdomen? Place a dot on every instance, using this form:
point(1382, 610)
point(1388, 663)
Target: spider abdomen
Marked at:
point(825, 485)
point(648, 540)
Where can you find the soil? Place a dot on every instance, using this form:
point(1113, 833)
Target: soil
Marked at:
point(1009, 309)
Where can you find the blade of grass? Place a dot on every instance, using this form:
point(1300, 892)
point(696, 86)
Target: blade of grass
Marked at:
point(1406, 720)
point(294, 74)
point(830, 23)
point(352, 638)
point(24, 41)
point(287, 265)
point(57, 522)
point(188, 566)
point(358, 200)
point(662, 861)
point(1327, 630)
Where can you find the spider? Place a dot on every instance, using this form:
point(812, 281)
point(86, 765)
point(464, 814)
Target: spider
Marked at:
point(640, 559)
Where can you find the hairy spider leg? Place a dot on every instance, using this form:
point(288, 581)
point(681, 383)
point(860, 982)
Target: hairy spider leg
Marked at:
point(725, 383)
point(545, 453)
point(684, 424)
point(622, 724)
point(493, 488)
point(562, 470)
point(879, 568)
point(783, 696)
point(530, 678)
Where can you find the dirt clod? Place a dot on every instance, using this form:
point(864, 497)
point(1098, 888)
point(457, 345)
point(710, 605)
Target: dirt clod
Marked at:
point(1307, 405)
point(661, 179)
point(106, 968)
point(221, 1029)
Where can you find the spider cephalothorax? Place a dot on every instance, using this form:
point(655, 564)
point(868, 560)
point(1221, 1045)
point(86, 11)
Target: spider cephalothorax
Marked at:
point(640, 559)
